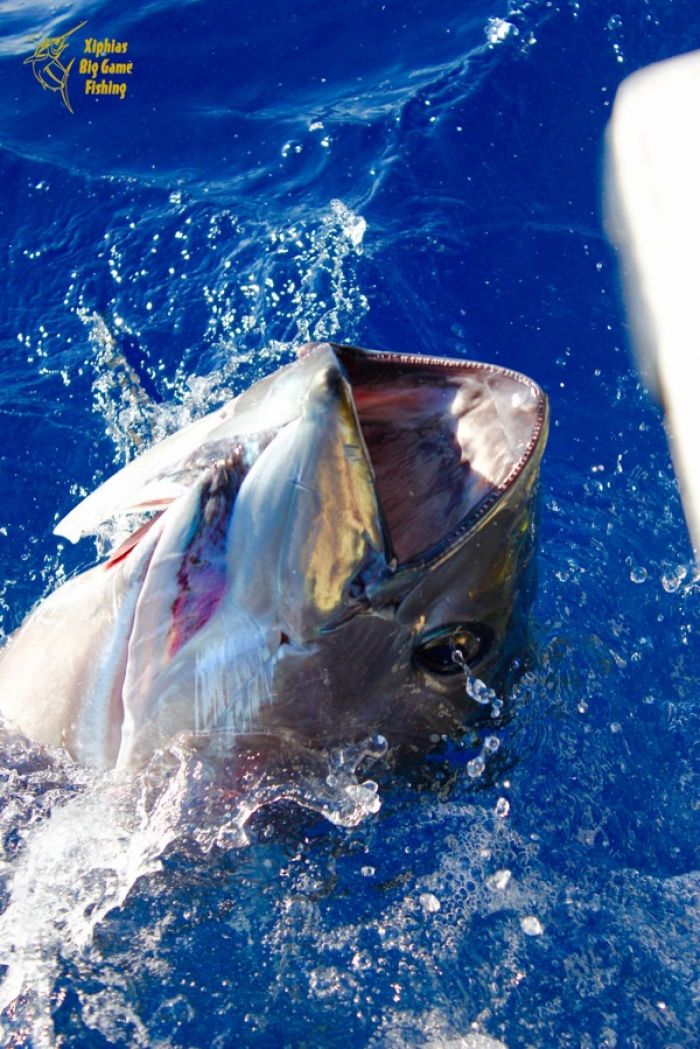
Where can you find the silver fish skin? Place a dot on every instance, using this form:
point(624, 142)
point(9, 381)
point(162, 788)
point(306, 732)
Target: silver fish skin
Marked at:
point(320, 549)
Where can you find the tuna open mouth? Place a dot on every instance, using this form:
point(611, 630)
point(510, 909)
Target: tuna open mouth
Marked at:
point(446, 440)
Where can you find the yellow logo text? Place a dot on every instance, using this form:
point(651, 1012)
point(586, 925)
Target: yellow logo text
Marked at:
point(104, 66)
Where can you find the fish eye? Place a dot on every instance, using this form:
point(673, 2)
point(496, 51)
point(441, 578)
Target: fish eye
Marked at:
point(448, 649)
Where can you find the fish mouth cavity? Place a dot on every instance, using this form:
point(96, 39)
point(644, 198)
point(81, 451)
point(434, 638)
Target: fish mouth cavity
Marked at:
point(446, 440)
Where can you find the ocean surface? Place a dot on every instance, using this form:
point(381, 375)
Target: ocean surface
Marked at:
point(403, 175)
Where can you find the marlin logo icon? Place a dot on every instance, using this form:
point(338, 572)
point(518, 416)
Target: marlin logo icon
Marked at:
point(47, 67)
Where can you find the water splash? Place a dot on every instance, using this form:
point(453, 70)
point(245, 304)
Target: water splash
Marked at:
point(83, 839)
point(135, 416)
point(300, 284)
point(76, 841)
point(274, 288)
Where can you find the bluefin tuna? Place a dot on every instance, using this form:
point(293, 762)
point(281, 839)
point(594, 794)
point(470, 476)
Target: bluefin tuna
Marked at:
point(324, 557)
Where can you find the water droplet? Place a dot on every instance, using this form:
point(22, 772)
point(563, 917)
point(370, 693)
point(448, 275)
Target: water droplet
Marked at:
point(479, 691)
point(498, 29)
point(476, 766)
point(362, 960)
point(429, 903)
point(499, 880)
point(672, 579)
point(531, 925)
point(502, 808)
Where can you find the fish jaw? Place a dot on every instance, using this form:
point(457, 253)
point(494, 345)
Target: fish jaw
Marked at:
point(363, 675)
point(447, 439)
point(479, 572)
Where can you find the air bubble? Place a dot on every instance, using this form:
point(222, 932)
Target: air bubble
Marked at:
point(476, 766)
point(672, 579)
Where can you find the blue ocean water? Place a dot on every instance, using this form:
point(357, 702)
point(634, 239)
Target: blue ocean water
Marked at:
point(409, 176)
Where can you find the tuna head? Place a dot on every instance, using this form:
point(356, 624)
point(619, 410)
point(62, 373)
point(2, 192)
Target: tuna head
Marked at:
point(326, 550)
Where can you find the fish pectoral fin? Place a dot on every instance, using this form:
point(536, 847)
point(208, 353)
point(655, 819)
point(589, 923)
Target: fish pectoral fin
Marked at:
point(215, 684)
